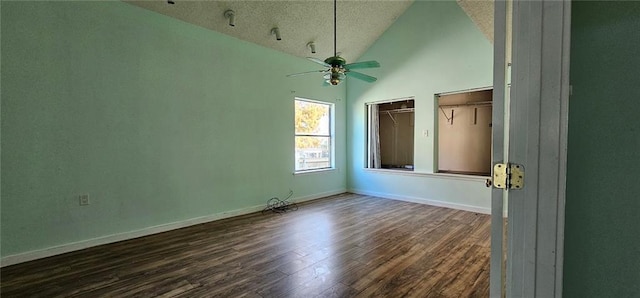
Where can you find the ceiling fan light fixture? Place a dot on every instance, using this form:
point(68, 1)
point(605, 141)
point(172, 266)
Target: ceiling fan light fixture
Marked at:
point(231, 15)
point(275, 31)
point(334, 78)
point(312, 46)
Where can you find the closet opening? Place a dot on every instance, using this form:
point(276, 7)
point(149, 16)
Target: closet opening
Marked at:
point(464, 132)
point(390, 134)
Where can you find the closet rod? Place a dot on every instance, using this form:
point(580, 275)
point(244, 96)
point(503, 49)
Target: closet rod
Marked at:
point(405, 110)
point(478, 103)
point(392, 119)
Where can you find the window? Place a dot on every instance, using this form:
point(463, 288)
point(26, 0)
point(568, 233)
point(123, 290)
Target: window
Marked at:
point(313, 135)
point(390, 135)
point(464, 132)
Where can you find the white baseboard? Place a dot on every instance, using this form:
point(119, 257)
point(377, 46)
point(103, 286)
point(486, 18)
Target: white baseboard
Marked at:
point(69, 247)
point(436, 203)
point(319, 195)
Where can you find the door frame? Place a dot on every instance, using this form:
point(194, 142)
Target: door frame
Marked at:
point(536, 127)
point(497, 272)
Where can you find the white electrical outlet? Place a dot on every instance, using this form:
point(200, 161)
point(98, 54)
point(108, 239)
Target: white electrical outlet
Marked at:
point(84, 199)
point(425, 133)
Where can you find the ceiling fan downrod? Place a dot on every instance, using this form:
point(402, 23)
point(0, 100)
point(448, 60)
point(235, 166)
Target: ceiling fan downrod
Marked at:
point(337, 68)
point(335, 28)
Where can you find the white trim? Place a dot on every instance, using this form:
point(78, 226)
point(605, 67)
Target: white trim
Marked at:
point(425, 201)
point(430, 175)
point(563, 144)
point(318, 195)
point(313, 100)
point(331, 136)
point(499, 143)
point(464, 91)
point(538, 141)
point(74, 246)
point(314, 171)
point(390, 100)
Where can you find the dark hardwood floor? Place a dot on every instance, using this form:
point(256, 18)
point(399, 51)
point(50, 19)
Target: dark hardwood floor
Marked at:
point(341, 246)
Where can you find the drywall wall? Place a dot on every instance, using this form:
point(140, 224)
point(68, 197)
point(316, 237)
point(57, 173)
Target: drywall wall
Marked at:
point(602, 242)
point(432, 48)
point(159, 121)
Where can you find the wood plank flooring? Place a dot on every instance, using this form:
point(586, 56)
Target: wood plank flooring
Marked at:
point(341, 246)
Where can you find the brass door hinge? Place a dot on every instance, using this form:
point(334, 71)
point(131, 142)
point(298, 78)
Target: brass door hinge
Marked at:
point(508, 176)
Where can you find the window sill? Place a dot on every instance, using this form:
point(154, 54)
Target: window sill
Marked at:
point(314, 171)
point(431, 175)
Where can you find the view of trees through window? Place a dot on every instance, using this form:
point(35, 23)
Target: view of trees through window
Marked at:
point(312, 135)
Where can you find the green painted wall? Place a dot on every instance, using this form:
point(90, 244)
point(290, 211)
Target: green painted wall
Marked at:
point(432, 48)
point(602, 235)
point(158, 120)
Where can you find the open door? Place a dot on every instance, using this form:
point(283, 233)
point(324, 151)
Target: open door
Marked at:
point(531, 96)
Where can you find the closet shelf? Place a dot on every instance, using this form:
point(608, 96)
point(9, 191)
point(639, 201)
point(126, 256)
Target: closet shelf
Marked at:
point(477, 103)
point(396, 111)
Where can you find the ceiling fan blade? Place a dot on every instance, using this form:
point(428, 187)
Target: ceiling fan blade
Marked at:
point(361, 76)
point(306, 72)
point(321, 62)
point(363, 64)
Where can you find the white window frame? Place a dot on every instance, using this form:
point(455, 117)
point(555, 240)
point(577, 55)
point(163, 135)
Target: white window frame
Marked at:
point(331, 137)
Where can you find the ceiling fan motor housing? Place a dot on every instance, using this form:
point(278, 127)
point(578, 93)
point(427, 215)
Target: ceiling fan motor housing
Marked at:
point(335, 61)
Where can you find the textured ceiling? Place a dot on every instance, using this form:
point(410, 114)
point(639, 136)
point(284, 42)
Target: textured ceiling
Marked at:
point(360, 22)
point(481, 13)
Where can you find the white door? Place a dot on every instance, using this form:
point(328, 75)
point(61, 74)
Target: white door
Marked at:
point(530, 129)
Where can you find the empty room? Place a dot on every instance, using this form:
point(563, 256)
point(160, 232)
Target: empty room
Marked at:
point(310, 149)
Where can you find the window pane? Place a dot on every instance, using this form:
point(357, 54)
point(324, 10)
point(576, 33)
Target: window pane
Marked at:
point(312, 118)
point(313, 153)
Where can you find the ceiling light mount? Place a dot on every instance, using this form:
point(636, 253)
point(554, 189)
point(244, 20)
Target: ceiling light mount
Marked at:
point(275, 31)
point(231, 15)
point(312, 46)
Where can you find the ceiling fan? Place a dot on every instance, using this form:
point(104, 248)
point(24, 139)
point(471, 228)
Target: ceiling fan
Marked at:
point(337, 68)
